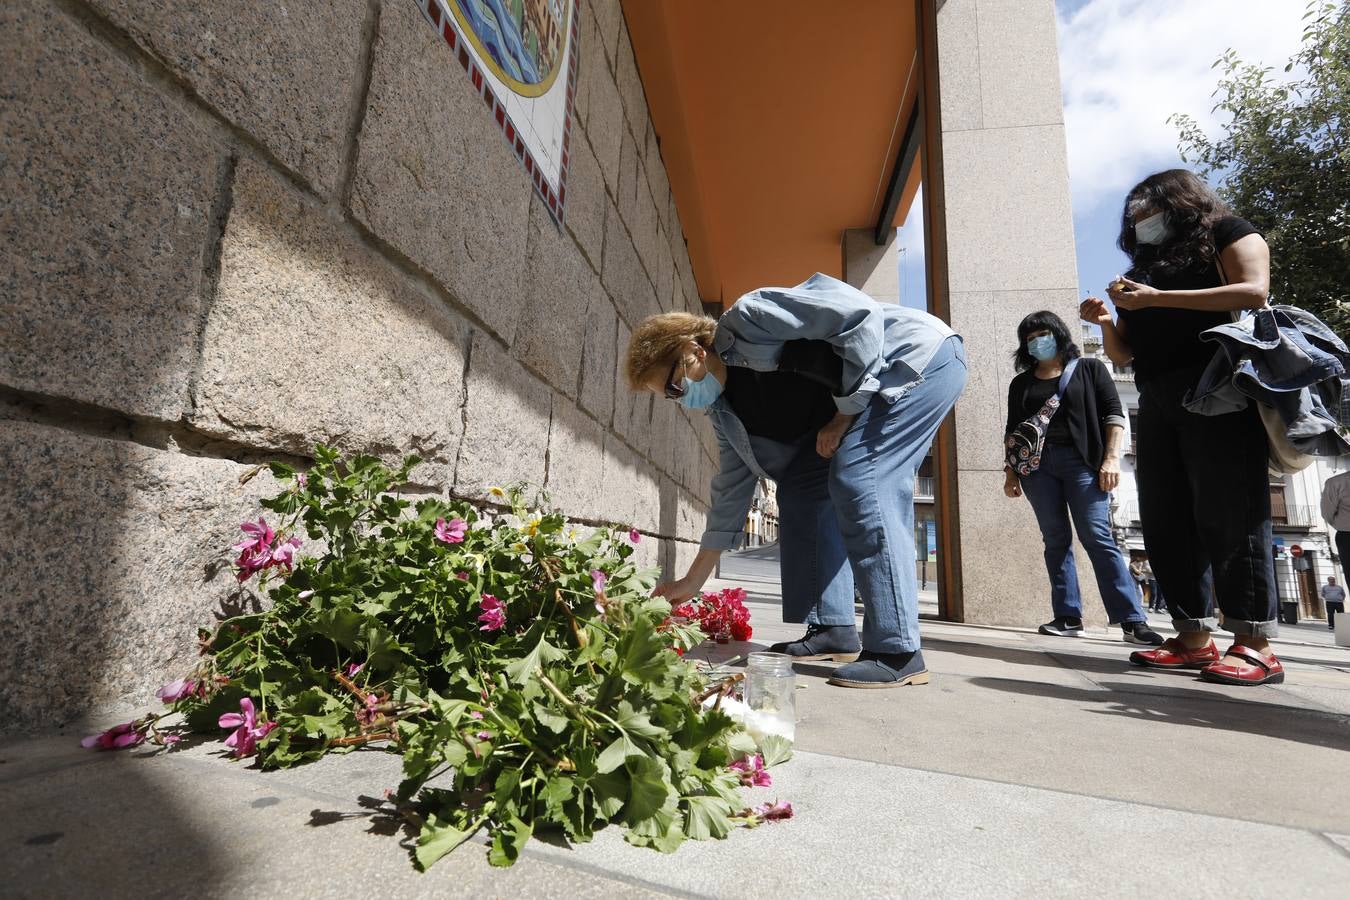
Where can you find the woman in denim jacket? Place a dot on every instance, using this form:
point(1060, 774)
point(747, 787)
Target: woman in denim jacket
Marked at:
point(836, 398)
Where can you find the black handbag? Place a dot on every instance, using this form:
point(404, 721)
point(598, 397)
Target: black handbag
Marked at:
point(1023, 445)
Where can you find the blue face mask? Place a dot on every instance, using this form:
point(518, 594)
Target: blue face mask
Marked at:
point(1043, 347)
point(700, 394)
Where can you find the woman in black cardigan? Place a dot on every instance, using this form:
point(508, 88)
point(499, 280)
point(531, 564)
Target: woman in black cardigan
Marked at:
point(1079, 466)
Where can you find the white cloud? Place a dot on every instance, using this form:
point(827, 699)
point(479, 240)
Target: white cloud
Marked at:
point(1126, 65)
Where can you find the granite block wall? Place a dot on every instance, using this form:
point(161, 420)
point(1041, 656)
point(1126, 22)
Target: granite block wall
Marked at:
point(232, 231)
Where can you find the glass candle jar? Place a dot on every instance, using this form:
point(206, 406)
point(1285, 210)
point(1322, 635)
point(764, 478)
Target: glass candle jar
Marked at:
point(770, 696)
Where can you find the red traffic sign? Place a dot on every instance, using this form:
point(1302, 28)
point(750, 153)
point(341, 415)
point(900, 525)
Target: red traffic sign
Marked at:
point(1296, 551)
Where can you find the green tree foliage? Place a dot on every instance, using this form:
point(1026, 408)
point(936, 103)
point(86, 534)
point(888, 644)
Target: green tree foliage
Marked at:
point(1284, 158)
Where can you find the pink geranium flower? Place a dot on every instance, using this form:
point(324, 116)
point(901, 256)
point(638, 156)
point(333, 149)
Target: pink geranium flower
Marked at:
point(598, 579)
point(634, 535)
point(770, 812)
point(462, 576)
point(451, 532)
point(752, 771)
point(493, 617)
point(247, 729)
point(177, 690)
point(117, 737)
point(353, 668)
point(258, 553)
point(475, 714)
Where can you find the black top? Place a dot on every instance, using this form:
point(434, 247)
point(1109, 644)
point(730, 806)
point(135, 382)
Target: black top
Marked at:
point(781, 406)
point(1165, 340)
point(1034, 395)
point(1088, 402)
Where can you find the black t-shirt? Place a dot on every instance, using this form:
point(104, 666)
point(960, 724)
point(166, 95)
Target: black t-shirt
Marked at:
point(1165, 340)
point(781, 406)
point(1037, 392)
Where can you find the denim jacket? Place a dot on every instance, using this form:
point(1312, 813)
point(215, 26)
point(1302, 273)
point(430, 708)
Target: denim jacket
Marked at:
point(872, 339)
point(1285, 358)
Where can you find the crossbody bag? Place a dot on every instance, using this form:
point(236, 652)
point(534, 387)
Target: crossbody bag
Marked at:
point(1023, 445)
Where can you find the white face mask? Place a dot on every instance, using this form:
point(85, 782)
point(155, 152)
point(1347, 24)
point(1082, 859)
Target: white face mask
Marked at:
point(1152, 230)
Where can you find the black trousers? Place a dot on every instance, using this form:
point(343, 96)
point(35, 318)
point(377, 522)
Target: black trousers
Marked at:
point(1204, 503)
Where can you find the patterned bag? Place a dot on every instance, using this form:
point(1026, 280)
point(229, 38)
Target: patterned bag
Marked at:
point(1023, 445)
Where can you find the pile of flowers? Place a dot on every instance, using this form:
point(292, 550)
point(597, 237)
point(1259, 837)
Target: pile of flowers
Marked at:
point(523, 671)
point(721, 615)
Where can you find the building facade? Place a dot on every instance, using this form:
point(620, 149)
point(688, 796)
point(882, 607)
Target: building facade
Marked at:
point(233, 231)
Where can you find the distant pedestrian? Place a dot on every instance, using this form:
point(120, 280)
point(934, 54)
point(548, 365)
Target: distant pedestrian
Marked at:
point(1204, 496)
point(1156, 601)
point(1336, 512)
point(1137, 573)
point(1065, 425)
point(1333, 597)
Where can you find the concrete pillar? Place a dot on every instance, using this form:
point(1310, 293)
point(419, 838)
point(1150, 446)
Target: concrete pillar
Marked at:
point(870, 267)
point(1009, 250)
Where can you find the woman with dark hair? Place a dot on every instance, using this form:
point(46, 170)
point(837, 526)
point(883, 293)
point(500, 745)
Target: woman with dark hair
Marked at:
point(1203, 498)
point(1072, 472)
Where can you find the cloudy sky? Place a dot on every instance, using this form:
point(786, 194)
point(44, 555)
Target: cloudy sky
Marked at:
point(1125, 66)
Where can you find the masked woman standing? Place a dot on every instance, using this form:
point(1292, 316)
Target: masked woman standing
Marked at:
point(1204, 500)
point(1077, 468)
point(836, 398)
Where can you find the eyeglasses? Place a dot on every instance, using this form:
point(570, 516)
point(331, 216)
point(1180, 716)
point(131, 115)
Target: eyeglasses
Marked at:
point(674, 391)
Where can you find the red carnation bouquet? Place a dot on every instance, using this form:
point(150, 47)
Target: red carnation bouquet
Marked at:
point(722, 615)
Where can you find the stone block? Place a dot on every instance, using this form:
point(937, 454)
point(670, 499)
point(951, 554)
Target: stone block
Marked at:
point(286, 75)
point(682, 555)
point(590, 60)
point(663, 277)
point(691, 517)
point(108, 190)
point(434, 177)
point(623, 275)
point(993, 177)
point(684, 272)
point(659, 181)
point(608, 18)
point(958, 36)
point(632, 409)
point(633, 497)
point(586, 199)
point(665, 432)
point(626, 196)
point(506, 423)
point(649, 241)
point(630, 89)
point(1019, 64)
point(560, 285)
point(114, 554)
point(871, 268)
point(604, 117)
point(314, 339)
point(576, 463)
point(600, 366)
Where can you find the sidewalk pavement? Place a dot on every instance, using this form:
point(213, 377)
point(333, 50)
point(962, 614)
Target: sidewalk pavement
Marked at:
point(1030, 766)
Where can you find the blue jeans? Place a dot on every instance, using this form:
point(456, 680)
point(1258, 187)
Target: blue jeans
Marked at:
point(1065, 486)
point(848, 522)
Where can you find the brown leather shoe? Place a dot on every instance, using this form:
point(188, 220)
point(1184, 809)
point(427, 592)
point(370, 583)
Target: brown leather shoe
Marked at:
point(1173, 654)
point(1263, 669)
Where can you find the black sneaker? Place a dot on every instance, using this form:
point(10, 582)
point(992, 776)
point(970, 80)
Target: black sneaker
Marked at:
point(1140, 633)
point(1063, 626)
point(834, 642)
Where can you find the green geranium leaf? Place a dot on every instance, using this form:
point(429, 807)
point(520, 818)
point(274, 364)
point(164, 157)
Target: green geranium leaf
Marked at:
point(437, 838)
point(707, 817)
point(614, 755)
point(528, 666)
point(509, 841)
point(649, 789)
point(775, 749)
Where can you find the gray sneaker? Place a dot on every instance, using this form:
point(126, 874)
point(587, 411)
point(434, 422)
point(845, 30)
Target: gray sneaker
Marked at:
point(1063, 626)
point(833, 642)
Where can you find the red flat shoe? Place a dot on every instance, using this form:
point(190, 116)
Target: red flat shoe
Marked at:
point(1173, 654)
point(1263, 669)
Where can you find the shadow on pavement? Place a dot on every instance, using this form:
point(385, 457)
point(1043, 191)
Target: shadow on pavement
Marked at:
point(1196, 708)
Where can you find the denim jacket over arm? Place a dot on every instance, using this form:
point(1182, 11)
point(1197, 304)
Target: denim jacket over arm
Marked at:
point(884, 349)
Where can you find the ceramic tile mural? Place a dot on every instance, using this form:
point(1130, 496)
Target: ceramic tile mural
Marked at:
point(521, 57)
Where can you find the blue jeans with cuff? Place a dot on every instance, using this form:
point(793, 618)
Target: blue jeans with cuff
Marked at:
point(1065, 487)
point(848, 522)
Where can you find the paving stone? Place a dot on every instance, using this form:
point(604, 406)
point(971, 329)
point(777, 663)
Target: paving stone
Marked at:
point(100, 265)
point(560, 285)
point(284, 73)
point(314, 339)
point(435, 177)
point(114, 554)
point(586, 198)
point(506, 423)
point(599, 362)
point(576, 453)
